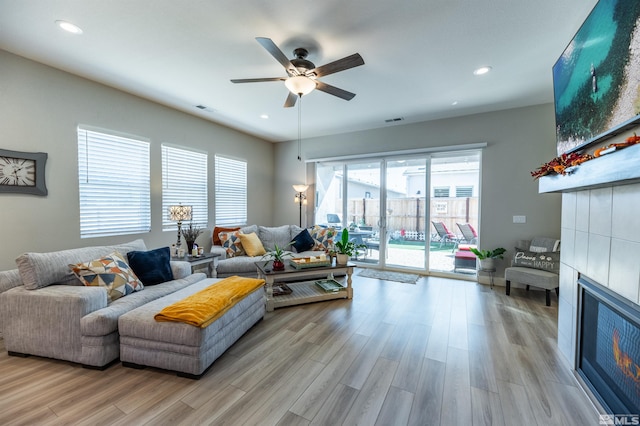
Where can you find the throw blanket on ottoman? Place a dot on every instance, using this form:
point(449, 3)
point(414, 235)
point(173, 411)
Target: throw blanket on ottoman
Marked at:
point(204, 307)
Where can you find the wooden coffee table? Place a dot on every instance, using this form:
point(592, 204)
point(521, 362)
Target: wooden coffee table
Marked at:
point(303, 291)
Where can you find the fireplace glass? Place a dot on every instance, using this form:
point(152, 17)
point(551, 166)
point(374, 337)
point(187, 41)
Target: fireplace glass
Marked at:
point(609, 348)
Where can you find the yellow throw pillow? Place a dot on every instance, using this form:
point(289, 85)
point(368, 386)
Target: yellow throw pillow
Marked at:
point(252, 244)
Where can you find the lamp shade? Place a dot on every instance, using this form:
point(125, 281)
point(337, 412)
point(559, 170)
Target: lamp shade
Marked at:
point(300, 85)
point(300, 188)
point(179, 213)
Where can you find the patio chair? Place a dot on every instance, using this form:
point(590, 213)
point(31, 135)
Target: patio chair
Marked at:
point(444, 235)
point(469, 234)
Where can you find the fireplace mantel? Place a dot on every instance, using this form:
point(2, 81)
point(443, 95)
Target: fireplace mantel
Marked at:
point(618, 168)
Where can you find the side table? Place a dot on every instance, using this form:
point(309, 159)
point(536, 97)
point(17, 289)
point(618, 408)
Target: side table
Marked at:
point(491, 272)
point(208, 260)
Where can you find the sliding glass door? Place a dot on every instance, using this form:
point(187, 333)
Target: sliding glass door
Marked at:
point(390, 206)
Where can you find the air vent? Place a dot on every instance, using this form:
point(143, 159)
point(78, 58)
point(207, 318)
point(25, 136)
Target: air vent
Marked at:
point(205, 108)
point(393, 120)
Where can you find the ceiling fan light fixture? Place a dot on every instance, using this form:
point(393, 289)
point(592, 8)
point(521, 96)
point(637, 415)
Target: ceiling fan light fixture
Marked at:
point(300, 85)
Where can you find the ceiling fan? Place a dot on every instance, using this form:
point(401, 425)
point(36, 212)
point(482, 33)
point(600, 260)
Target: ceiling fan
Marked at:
point(302, 74)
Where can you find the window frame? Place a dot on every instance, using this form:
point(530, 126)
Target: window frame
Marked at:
point(111, 202)
point(184, 181)
point(231, 192)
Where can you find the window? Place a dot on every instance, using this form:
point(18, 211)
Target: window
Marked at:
point(114, 184)
point(441, 191)
point(464, 191)
point(184, 181)
point(231, 191)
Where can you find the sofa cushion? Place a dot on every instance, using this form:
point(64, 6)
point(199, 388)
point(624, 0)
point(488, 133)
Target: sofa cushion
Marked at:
point(241, 265)
point(303, 241)
point(9, 279)
point(252, 244)
point(215, 235)
point(546, 261)
point(152, 267)
point(272, 236)
point(39, 270)
point(323, 237)
point(111, 272)
point(232, 243)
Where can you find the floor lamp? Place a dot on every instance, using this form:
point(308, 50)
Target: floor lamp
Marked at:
point(301, 198)
point(179, 213)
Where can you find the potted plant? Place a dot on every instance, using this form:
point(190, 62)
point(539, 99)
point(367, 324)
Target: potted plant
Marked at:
point(278, 255)
point(345, 248)
point(190, 234)
point(486, 258)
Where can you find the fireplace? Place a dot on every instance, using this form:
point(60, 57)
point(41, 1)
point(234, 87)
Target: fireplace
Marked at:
point(608, 356)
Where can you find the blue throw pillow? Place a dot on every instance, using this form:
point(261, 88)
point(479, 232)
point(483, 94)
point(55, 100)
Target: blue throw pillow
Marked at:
point(151, 267)
point(302, 242)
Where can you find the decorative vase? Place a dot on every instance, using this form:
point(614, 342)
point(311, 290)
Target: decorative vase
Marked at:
point(278, 265)
point(190, 247)
point(342, 259)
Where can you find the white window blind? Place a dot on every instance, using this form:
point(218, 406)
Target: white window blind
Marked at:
point(114, 184)
point(231, 191)
point(184, 181)
point(464, 191)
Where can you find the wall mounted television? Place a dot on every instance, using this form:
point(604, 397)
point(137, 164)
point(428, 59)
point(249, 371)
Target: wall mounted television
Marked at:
point(596, 80)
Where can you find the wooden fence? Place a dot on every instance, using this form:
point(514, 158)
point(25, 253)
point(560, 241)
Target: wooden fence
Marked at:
point(407, 215)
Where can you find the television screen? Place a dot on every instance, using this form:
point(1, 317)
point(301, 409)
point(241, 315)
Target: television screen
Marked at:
point(596, 81)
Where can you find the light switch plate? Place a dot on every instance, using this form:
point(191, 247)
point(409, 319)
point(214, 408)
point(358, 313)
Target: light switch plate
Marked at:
point(519, 219)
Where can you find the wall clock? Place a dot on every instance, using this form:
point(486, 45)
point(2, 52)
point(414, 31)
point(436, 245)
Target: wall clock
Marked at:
point(22, 172)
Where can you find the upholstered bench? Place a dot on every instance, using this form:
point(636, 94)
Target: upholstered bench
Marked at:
point(180, 347)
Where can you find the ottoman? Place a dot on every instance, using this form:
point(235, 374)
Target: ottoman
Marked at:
point(181, 347)
point(464, 258)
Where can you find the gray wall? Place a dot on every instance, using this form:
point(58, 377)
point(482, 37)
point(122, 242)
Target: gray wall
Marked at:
point(40, 109)
point(518, 141)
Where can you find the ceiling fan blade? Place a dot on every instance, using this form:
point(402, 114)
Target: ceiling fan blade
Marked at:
point(335, 91)
point(257, 80)
point(275, 51)
point(291, 100)
point(352, 61)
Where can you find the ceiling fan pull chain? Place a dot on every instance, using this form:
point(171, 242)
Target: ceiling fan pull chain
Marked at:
point(300, 128)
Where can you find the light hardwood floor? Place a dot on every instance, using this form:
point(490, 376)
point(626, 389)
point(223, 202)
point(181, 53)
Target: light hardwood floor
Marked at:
point(441, 352)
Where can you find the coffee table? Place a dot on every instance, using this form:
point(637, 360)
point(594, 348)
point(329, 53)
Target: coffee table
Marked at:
point(303, 291)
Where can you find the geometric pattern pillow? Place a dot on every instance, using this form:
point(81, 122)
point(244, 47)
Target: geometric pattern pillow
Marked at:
point(111, 272)
point(323, 237)
point(231, 243)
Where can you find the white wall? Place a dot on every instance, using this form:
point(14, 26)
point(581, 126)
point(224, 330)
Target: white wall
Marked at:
point(519, 140)
point(40, 109)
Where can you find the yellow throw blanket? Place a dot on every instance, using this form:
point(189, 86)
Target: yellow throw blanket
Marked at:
point(206, 306)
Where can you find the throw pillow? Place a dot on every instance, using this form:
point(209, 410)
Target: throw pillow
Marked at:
point(231, 243)
point(546, 261)
point(252, 244)
point(323, 237)
point(303, 241)
point(111, 272)
point(216, 234)
point(153, 266)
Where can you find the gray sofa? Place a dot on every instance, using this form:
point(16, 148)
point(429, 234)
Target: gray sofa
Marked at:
point(269, 236)
point(45, 311)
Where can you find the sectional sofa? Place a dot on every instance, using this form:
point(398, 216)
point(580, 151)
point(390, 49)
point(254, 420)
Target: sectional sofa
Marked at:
point(234, 259)
point(46, 311)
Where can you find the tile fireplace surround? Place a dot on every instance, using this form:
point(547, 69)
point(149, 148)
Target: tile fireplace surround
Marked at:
point(600, 233)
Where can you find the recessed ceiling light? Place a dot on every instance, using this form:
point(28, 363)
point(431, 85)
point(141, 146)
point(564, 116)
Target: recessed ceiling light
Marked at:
point(454, 103)
point(264, 116)
point(482, 70)
point(69, 27)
